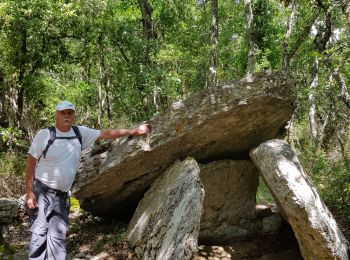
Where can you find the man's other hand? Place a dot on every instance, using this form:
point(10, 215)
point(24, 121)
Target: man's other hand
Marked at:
point(31, 200)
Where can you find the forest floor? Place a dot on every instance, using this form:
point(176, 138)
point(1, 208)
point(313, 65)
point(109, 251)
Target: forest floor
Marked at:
point(94, 238)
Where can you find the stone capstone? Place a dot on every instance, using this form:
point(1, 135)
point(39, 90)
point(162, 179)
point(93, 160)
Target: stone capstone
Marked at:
point(217, 123)
point(314, 226)
point(166, 222)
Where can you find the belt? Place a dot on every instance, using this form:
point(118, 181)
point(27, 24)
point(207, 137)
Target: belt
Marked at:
point(51, 190)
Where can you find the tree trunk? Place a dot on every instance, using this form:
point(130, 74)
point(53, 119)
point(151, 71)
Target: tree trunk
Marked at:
point(101, 80)
point(300, 39)
point(324, 138)
point(344, 94)
point(322, 44)
point(321, 39)
point(289, 26)
point(107, 87)
point(99, 104)
point(22, 68)
point(3, 110)
point(346, 10)
point(250, 32)
point(214, 43)
point(147, 22)
point(312, 106)
point(149, 35)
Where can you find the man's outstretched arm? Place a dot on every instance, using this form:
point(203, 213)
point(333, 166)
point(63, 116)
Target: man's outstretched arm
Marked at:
point(116, 133)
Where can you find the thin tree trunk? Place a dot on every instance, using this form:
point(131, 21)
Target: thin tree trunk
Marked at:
point(321, 39)
point(214, 43)
point(289, 27)
point(99, 102)
point(147, 22)
point(107, 87)
point(312, 106)
point(342, 148)
point(330, 115)
point(300, 39)
point(101, 83)
point(344, 94)
point(20, 97)
point(250, 32)
point(3, 111)
point(345, 5)
point(149, 36)
point(16, 92)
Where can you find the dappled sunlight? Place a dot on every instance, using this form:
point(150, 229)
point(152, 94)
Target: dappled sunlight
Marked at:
point(296, 181)
point(139, 227)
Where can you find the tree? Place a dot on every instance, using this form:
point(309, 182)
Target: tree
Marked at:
point(250, 33)
point(214, 43)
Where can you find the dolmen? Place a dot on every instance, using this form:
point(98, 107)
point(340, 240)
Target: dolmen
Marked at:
point(194, 178)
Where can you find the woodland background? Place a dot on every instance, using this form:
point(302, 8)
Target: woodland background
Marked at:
point(123, 61)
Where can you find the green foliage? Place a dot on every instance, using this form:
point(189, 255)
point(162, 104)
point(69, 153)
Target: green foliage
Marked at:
point(333, 182)
point(97, 55)
point(263, 194)
point(328, 170)
point(7, 250)
point(11, 163)
point(12, 139)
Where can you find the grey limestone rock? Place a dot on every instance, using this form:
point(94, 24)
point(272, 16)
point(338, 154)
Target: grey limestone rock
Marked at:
point(166, 222)
point(216, 123)
point(314, 226)
point(230, 195)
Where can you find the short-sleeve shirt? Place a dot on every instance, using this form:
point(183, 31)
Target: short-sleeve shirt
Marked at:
point(58, 169)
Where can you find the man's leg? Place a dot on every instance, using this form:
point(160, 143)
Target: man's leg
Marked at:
point(57, 229)
point(56, 238)
point(38, 225)
point(37, 246)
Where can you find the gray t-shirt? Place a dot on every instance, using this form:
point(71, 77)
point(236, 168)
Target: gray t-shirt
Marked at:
point(57, 170)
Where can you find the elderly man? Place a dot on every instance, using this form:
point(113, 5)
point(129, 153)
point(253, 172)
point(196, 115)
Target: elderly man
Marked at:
point(52, 163)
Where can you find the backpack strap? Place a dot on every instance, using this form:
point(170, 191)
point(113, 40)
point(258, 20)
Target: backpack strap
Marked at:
point(78, 135)
point(52, 138)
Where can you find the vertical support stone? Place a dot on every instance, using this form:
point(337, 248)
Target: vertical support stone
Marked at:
point(315, 228)
point(229, 203)
point(166, 222)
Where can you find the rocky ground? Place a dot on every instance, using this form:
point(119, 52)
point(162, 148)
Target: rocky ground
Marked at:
point(94, 238)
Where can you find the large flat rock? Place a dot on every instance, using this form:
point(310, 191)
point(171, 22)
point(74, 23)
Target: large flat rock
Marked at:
point(217, 123)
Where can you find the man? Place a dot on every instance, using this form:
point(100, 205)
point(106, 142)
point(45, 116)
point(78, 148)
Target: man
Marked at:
point(49, 176)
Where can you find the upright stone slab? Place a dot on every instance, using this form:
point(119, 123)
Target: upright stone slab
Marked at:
point(315, 228)
point(166, 222)
point(229, 202)
point(216, 123)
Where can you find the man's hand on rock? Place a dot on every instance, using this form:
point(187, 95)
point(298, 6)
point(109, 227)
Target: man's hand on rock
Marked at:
point(142, 129)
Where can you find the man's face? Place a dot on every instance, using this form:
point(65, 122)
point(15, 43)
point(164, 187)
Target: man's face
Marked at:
point(65, 119)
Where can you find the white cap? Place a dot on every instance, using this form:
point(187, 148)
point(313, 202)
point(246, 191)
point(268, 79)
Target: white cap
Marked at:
point(64, 105)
